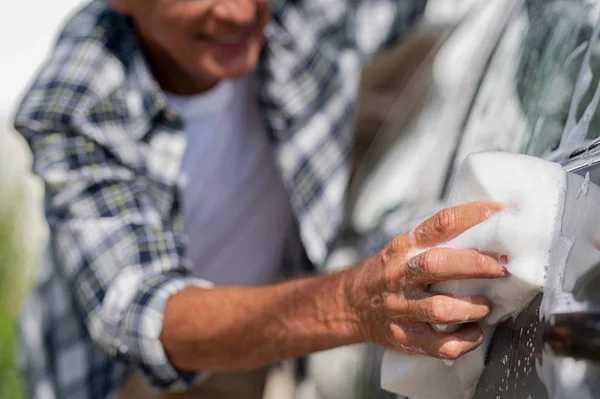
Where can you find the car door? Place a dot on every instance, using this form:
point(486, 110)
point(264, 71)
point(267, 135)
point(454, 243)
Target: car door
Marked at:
point(539, 96)
point(537, 93)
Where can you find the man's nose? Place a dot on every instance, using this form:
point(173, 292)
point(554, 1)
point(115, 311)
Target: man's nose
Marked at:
point(235, 12)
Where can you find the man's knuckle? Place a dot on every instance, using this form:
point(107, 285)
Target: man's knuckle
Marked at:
point(450, 350)
point(479, 339)
point(438, 309)
point(481, 262)
point(391, 279)
point(425, 262)
point(486, 210)
point(430, 261)
point(396, 334)
point(397, 244)
point(385, 254)
point(389, 302)
point(445, 221)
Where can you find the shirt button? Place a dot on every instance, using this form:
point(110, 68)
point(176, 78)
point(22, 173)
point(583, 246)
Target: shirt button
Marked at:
point(123, 349)
point(171, 115)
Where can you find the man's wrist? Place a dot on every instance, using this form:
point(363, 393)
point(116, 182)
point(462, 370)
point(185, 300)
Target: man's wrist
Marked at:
point(208, 329)
point(348, 301)
point(359, 301)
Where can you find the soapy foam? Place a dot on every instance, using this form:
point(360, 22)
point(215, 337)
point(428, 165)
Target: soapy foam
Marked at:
point(525, 232)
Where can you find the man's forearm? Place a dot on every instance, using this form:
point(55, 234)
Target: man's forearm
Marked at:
point(241, 328)
point(386, 301)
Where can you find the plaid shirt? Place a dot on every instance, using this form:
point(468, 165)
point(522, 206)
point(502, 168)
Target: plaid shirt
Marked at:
point(108, 150)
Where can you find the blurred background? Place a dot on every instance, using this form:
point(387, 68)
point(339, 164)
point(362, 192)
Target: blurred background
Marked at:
point(472, 69)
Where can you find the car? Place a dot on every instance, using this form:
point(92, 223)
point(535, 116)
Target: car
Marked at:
point(517, 76)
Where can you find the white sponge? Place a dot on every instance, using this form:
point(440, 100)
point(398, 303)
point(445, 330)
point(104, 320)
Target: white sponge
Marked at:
point(525, 232)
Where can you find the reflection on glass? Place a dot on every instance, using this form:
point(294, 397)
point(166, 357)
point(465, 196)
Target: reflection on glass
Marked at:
point(408, 165)
point(524, 99)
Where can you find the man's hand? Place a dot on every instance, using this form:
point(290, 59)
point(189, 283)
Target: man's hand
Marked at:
point(391, 296)
point(385, 300)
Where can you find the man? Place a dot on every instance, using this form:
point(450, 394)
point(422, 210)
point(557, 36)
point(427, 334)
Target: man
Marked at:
point(195, 153)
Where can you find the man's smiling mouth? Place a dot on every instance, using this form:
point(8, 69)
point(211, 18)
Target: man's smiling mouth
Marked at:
point(241, 38)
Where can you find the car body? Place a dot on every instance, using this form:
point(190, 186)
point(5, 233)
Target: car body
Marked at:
point(518, 76)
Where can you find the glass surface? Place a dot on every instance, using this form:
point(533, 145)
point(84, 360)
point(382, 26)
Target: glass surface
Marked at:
point(408, 165)
point(539, 84)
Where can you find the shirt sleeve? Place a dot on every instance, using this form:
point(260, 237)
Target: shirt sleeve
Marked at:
point(119, 256)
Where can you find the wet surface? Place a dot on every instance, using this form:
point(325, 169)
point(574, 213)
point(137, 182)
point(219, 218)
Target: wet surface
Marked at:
point(554, 356)
point(511, 362)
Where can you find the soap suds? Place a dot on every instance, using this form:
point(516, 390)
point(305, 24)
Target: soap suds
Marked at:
point(413, 250)
point(525, 233)
point(412, 241)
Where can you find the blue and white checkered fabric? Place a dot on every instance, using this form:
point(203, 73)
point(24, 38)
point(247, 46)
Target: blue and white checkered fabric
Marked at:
point(108, 150)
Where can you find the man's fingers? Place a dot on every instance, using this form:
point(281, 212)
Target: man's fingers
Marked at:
point(422, 339)
point(452, 346)
point(451, 222)
point(446, 309)
point(441, 264)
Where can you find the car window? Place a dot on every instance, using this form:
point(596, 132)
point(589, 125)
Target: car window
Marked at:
point(407, 163)
point(538, 93)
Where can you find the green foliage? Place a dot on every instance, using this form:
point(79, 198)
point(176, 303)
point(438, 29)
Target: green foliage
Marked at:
point(12, 262)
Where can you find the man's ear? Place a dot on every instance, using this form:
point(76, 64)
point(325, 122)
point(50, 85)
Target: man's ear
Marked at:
point(121, 6)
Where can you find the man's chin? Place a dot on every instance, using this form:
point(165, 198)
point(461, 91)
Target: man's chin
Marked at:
point(224, 67)
point(233, 72)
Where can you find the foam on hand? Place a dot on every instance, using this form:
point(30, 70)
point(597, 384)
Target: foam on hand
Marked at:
point(525, 231)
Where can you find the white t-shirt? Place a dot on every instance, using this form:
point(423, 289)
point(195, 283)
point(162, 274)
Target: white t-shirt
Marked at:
point(236, 211)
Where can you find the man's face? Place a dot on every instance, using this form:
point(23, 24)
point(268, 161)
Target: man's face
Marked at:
point(212, 39)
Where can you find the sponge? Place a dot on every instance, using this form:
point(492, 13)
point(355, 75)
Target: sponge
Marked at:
point(526, 230)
